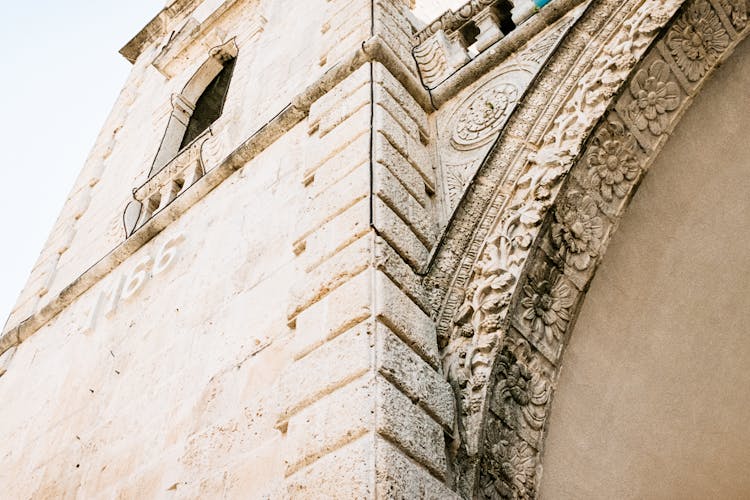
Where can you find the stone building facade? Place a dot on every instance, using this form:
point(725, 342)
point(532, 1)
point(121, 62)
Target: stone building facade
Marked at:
point(326, 249)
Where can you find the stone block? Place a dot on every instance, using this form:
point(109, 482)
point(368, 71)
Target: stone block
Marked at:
point(342, 101)
point(414, 152)
point(386, 103)
point(333, 236)
point(343, 308)
point(408, 426)
point(393, 194)
point(320, 150)
point(330, 274)
point(330, 423)
point(398, 476)
point(389, 262)
point(385, 80)
point(388, 156)
point(325, 369)
point(404, 318)
point(344, 474)
point(399, 235)
point(332, 201)
point(355, 154)
point(414, 377)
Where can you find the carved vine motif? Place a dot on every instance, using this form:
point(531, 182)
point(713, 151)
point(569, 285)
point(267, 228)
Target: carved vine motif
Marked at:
point(653, 97)
point(477, 326)
point(697, 40)
point(468, 360)
point(612, 161)
point(484, 115)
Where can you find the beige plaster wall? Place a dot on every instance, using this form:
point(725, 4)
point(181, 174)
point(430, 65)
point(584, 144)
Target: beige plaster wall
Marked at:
point(653, 401)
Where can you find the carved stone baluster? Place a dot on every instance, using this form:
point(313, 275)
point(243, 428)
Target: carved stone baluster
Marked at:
point(488, 23)
point(522, 10)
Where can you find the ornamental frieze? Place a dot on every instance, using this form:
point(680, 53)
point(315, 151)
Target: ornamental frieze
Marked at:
point(468, 126)
point(535, 262)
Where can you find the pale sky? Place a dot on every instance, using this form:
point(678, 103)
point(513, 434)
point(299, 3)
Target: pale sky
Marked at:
point(61, 75)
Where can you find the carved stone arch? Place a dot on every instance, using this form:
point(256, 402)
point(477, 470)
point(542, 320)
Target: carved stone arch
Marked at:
point(183, 103)
point(507, 285)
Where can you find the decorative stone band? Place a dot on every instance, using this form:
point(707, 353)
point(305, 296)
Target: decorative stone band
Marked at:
point(505, 349)
point(457, 37)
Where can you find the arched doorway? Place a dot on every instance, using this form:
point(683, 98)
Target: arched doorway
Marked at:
point(653, 394)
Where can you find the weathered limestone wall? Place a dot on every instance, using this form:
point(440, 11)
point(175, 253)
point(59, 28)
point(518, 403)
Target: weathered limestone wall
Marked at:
point(652, 400)
point(274, 340)
point(279, 54)
point(281, 326)
point(174, 386)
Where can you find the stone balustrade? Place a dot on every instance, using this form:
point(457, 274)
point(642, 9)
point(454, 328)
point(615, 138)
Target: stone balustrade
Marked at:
point(166, 184)
point(456, 37)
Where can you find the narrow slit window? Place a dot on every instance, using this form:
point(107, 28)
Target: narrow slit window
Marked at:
point(209, 105)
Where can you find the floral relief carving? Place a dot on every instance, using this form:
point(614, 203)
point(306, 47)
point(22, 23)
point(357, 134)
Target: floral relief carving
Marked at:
point(509, 468)
point(697, 40)
point(736, 11)
point(577, 230)
point(546, 306)
point(654, 96)
point(521, 392)
point(484, 115)
point(478, 324)
point(612, 160)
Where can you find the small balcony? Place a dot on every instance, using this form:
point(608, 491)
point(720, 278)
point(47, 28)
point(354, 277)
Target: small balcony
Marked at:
point(166, 184)
point(456, 37)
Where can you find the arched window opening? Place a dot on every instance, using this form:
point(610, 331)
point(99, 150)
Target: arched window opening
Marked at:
point(209, 105)
point(198, 106)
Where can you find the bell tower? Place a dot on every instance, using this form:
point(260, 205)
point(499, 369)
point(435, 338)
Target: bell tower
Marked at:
point(336, 248)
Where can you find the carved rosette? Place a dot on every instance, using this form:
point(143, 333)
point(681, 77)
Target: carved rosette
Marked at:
point(654, 95)
point(483, 114)
point(515, 419)
point(577, 230)
point(697, 40)
point(612, 161)
point(546, 306)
